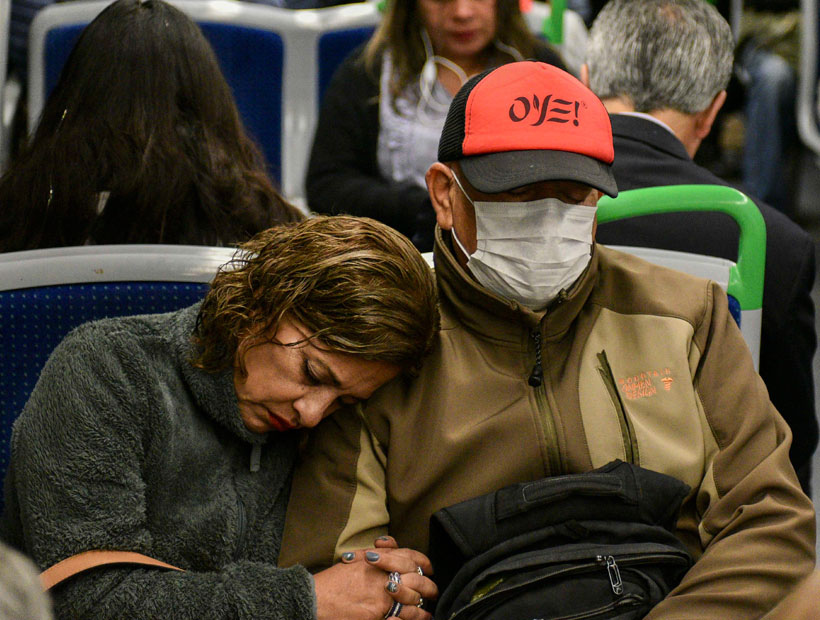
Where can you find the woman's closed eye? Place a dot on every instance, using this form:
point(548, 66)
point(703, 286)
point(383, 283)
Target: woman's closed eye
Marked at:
point(311, 377)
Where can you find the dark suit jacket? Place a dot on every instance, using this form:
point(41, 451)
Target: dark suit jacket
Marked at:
point(648, 155)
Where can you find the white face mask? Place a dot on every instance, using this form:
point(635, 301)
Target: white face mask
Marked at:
point(529, 251)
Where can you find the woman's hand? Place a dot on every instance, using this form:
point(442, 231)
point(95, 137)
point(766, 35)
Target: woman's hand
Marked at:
point(360, 588)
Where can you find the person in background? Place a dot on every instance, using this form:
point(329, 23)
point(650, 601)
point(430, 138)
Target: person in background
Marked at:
point(767, 64)
point(140, 142)
point(384, 109)
point(556, 356)
point(661, 67)
point(174, 435)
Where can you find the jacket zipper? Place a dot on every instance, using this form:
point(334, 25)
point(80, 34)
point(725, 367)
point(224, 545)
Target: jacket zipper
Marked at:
point(256, 458)
point(242, 527)
point(537, 374)
point(241, 513)
point(545, 416)
point(536, 381)
point(627, 434)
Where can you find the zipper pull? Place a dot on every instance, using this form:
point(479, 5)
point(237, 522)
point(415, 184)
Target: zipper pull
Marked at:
point(256, 457)
point(614, 574)
point(537, 374)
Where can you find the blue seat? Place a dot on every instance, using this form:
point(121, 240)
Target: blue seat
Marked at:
point(46, 293)
point(334, 47)
point(325, 38)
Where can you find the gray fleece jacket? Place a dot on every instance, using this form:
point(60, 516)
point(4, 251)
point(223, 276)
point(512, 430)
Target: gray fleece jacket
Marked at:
point(124, 445)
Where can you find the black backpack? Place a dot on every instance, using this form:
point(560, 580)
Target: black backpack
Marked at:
point(597, 545)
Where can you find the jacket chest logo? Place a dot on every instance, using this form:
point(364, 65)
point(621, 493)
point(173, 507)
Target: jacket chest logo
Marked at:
point(646, 383)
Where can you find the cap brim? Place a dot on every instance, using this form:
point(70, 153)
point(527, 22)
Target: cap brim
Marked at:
point(499, 172)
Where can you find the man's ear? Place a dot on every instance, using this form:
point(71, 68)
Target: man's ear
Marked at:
point(705, 119)
point(439, 183)
point(585, 74)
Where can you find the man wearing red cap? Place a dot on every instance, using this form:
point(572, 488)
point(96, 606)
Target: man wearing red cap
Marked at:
point(556, 356)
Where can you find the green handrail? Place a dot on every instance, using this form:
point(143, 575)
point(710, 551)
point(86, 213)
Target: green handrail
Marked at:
point(554, 24)
point(746, 276)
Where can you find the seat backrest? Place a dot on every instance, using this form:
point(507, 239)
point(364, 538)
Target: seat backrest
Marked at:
point(44, 294)
point(743, 281)
point(323, 39)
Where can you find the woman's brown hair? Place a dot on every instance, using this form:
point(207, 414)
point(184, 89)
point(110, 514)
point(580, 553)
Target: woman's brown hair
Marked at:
point(357, 285)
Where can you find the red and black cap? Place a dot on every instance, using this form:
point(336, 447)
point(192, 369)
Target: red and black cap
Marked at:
point(526, 122)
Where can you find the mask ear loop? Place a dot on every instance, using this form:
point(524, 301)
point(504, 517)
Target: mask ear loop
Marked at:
point(461, 187)
point(429, 73)
point(508, 49)
point(428, 77)
point(460, 245)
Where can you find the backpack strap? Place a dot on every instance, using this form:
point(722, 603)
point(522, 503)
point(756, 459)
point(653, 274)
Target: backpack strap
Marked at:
point(90, 559)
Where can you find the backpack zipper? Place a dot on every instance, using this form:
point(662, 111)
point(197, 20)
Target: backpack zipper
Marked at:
point(485, 594)
point(627, 434)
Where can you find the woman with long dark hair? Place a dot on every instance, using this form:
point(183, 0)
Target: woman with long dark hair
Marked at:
point(140, 142)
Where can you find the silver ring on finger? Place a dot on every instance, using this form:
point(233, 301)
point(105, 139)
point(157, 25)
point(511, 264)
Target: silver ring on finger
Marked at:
point(393, 581)
point(421, 602)
point(395, 610)
point(419, 571)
